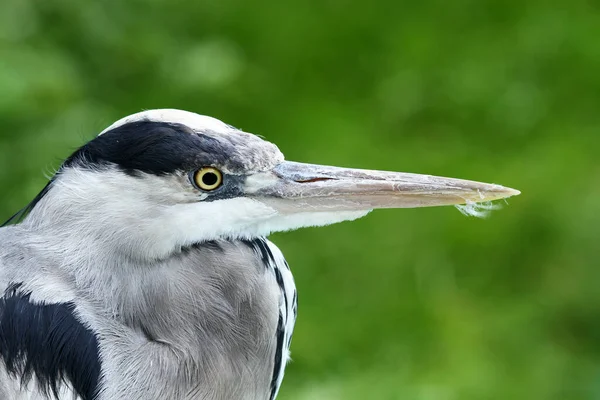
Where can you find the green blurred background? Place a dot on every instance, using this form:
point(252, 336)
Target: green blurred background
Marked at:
point(422, 304)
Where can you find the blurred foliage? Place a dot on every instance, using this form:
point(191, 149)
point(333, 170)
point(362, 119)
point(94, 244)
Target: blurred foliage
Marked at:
point(406, 304)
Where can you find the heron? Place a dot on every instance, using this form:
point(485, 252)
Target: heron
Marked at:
point(143, 271)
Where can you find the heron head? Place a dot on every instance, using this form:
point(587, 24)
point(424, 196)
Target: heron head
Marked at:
point(164, 179)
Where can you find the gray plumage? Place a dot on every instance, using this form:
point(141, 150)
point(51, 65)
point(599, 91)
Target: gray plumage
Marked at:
point(204, 332)
point(126, 279)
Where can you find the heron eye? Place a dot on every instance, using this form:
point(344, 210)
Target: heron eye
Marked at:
point(208, 178)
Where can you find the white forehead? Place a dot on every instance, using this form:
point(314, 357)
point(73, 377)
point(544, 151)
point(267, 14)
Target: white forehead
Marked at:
point(194, 121)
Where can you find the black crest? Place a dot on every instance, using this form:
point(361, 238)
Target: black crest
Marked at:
point(152, 147)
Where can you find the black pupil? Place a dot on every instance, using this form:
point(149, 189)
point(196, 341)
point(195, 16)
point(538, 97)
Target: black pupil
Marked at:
point(210, 178)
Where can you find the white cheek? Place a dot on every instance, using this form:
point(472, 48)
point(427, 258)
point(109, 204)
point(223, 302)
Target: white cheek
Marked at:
point(242, 217)
point(194, 222)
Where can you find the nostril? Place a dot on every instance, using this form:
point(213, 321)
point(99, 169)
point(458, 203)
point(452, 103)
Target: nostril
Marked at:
point(314, 180)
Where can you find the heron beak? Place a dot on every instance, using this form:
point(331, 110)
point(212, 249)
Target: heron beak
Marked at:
point(293, 186)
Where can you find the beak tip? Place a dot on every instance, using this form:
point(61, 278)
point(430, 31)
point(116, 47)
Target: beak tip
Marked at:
point(512, 192)
point(504, 192)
